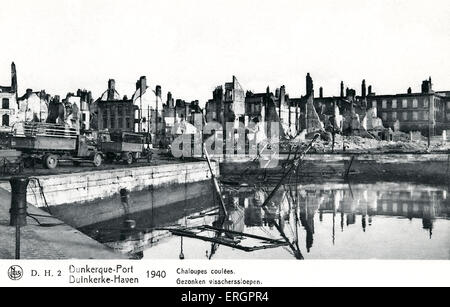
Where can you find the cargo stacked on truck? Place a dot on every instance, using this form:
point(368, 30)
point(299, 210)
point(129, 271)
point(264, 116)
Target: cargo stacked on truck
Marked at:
point(52, 143)
point(123, 146)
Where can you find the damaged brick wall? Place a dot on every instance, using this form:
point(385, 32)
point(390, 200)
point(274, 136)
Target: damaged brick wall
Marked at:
point(351, 122)
point(371, 121)
point(312, 120)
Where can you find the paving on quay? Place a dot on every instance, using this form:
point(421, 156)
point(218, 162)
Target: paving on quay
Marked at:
point(69, 168)
point(40, 242)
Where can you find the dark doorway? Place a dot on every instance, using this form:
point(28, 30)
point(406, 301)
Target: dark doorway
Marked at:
point(5, 120)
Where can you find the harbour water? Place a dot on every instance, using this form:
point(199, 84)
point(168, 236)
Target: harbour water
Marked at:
point(344, 220)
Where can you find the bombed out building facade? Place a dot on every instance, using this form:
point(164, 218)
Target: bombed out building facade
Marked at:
point(176, 110)
point(8, 99)
point(228, 103)
point(426, 110)
point(115, 112)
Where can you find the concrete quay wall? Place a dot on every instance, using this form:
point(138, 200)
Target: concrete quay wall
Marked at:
point(94, 185)
point(418, 168)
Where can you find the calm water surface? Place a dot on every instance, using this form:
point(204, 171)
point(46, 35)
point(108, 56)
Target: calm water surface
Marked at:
point(320, 221)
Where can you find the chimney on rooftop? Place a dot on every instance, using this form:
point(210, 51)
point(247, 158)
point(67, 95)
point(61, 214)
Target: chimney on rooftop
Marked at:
point(363, 89)
point(13, 78)
point(409, 90)
point(169, 100)
point(426, 86)
point(282, 94)
point(309, 85)
point(111, 84)
point(143, 82)
point(370, 89)
point(342, 89)
point(321, 92)
point(111, 89)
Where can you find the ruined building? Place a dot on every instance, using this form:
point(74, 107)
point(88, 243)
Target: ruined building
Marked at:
point(9, 106)
point(33, 106)
point(272, 108)
point(79, 108)
point(346, 113)
point(427, 111)
point(228, 104)
point(56, 111)
point(310, 117)
point(287, 112)
point(150, 108)
point(114, 112)
point(261, 107)
point(179, 110)
point(312, 113)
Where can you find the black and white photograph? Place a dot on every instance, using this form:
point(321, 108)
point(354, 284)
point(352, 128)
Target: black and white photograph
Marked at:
point(192, 130)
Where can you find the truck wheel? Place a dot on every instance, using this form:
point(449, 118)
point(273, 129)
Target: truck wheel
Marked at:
point(128, 159)
point(98, 160)
point(50, 161)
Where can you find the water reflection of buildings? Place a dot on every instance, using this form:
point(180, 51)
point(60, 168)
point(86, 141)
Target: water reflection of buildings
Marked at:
point(255, 216)
point(347, 204)
point(295, 210)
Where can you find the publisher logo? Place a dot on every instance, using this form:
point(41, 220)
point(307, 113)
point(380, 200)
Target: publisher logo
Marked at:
point(15, 272)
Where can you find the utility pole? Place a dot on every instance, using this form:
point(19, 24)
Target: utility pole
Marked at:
point(140, 109)
point(430, 119)
point(157, 117)
point(222, 113)
point(26, 109)
point(40, 106)
point(334, 125)
point(148, 126)
point(157, 92)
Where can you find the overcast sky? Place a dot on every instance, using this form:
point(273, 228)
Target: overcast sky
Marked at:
point(190, 46)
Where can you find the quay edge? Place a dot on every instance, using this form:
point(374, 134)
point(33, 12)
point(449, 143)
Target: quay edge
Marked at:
point(56, 242)
point(63, 189)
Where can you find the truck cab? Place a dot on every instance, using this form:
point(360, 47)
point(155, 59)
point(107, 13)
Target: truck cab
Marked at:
point(128, 147)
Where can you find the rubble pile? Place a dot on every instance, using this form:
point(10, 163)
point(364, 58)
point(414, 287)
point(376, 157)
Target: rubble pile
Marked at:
point(367, 145)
